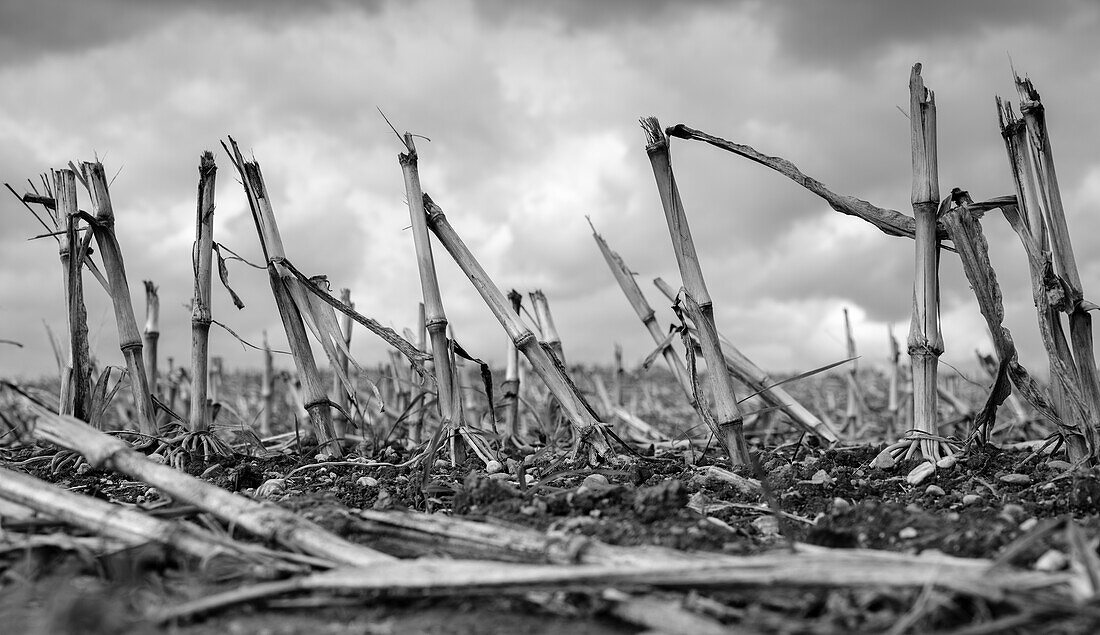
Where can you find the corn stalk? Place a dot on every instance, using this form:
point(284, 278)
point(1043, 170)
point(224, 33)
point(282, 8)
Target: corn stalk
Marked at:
point(201, 267)
point(76, 387)
point(695, 298)
point(151, 334)
point(925, 341)
point(129, 338)
point(587, 429)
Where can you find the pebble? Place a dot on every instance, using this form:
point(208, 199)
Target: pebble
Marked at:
point(271, 487)
point(884, 460)
point(920, 473)
point(1016, 479)
point(157, 457)
point(1052, 560)
point(946, 463)
point(840, 505)
point(595, 481)
point(442, 463)
point(530, 478)
point(971, 499)
point(766, 525)
point(934, 490)
point(821, 477)
point(1029, 524)
point(152, 493)
point(366, 481)
point(1061, 466)
point(494, 466)
point(83, 468)
point(1012, 512)
point(500, 476)
point(907, 534)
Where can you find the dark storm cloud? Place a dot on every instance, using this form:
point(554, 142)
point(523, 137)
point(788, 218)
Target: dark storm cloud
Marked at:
point(587, 14)
point(854, 32)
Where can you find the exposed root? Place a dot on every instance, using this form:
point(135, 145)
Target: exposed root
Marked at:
point(929, 446)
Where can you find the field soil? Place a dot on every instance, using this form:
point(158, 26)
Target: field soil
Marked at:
point(1021, 508)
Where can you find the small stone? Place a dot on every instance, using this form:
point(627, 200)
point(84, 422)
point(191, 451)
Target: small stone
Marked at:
point(500, 476)
point(947, 462)
point(1016, 479)
point(821, 477)
point(401, 478)
point(767, 526)
point(595, 481)
point(1011, 512)
point(907, 534)
point(157, 457)
point(82, 469)
point(934, 490)
point(212, 471)
point(884, 460)
point(528, 510)
point(271, 487)
point(920, 473)
point(840, 505)
point(1029, 524)
point(492, 467)
point(1052, 560)
point(365, 482)
point(971, 499)
point(442, 464)
point(1059, 465)
point(530, 478)
point(152, 493)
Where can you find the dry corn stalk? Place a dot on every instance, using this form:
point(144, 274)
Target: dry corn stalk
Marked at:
point(76, 387)
point(201, 267)
point(852, 416)
point(343, 401)
point(550, 336)
point(129, 338)
point(266, 521)
point(151, 333)
point(745, 371)
point(267, 389)
point(510, 395)
point(925, 341)
point(1056, 283)
point(587, 429)
point(435, 318)
point(645, 312)
point(695, 299)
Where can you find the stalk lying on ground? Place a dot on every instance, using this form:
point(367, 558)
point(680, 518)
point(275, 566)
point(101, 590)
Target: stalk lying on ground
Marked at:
point(588, 431)
point(695, 297)
point(129, 525)
point(151, 333)
point(201, 267)
point(129, 338)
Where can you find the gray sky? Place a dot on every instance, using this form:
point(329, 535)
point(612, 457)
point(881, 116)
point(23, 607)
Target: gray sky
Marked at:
point(532, 113)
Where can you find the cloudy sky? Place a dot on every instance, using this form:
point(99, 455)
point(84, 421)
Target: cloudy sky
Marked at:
point(532, 113)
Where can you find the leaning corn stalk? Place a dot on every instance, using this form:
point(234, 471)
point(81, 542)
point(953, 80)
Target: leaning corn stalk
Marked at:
point(435, 318)
point(645, 312)
point(266, 521)
point(745, 371)
point(695, 299)
point(925, 341)
point(129, 337)
point(151, 333)
point(293, 304)
point(550, 335)
point(1041, 226)
point(76, 388)
point(201, 266)
point(588, 431)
